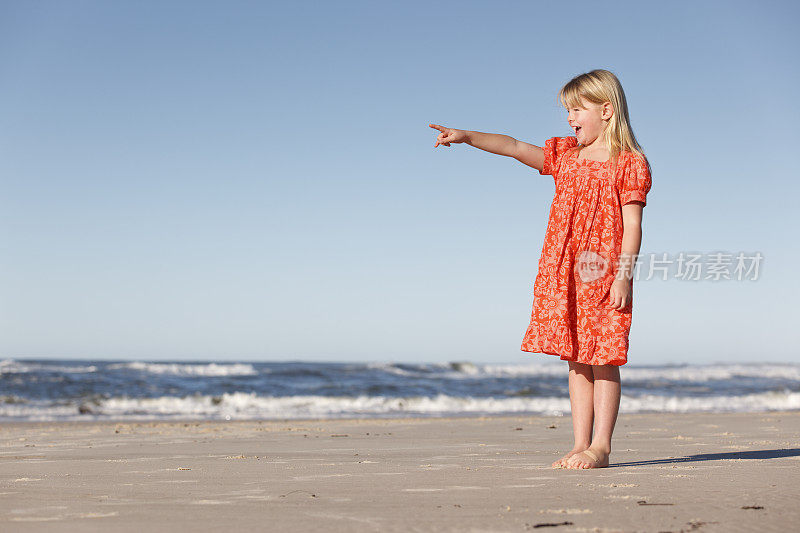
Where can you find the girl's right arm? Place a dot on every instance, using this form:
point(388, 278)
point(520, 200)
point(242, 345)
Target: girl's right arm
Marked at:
point(496, 143)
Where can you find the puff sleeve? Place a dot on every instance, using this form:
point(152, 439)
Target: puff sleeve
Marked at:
point(635, 181)
point(553, 149)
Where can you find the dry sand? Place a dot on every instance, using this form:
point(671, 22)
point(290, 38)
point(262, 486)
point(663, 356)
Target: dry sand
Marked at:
point(669, 472)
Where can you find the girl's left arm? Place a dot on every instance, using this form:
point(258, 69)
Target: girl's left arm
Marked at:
point(631, 243)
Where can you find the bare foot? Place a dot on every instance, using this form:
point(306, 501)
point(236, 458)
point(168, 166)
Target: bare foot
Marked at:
point(562, 463)
point(588, 458)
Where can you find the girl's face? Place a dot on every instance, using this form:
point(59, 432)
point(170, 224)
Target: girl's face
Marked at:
point(589, 120)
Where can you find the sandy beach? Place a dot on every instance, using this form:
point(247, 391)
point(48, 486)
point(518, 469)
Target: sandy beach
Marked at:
point(668, 472)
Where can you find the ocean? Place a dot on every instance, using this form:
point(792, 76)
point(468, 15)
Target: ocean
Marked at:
point(60, 390)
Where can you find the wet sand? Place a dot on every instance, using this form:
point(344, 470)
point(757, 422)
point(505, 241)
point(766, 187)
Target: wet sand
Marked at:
point(668, 472)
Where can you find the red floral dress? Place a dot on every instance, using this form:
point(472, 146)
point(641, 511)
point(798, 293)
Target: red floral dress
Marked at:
point(571, 315)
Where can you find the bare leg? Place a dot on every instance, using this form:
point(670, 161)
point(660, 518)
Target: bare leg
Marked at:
point(607, 391)
point(581, 387)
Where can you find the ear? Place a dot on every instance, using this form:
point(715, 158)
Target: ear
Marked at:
point(608, 111)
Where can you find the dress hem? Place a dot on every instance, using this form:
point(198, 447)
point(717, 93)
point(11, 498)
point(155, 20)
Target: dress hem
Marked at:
point(616, 362)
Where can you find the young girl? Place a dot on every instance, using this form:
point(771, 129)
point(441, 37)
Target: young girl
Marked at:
point(583, 293)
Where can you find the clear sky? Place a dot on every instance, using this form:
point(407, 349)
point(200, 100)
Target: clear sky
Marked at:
point(257, 180)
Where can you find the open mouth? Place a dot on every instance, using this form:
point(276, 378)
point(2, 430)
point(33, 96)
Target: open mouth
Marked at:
point(577, 129)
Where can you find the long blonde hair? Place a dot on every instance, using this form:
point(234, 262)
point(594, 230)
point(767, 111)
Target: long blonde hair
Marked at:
point(599, 86)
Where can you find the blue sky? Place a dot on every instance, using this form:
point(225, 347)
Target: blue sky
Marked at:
point(257, 180)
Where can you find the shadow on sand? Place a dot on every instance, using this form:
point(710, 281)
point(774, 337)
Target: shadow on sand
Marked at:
point(755, 454)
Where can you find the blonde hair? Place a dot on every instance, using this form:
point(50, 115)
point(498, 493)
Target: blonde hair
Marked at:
point(600, 86)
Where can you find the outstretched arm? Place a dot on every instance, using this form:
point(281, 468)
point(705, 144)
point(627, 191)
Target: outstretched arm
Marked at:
point(496, 143)
point(529, 154)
